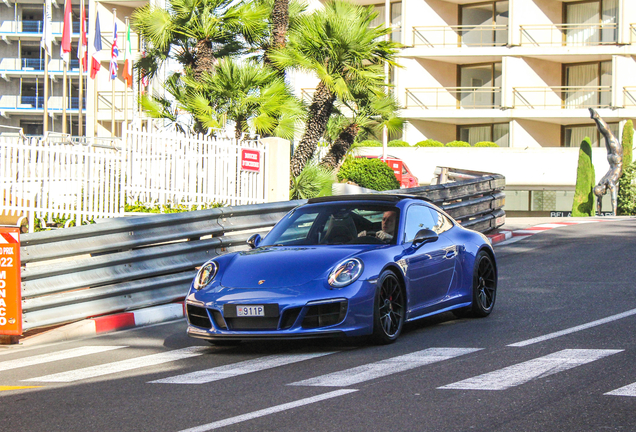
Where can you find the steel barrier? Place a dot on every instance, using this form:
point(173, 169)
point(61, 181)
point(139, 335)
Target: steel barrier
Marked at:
point(133, 262)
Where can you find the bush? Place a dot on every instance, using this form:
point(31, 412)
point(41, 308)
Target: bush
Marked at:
point(369, 173)
point(583, 204)
point(313, 181)
point(366, 143)
point(429, 143)
point(486, 144)
point(626, 201)
point(457, 144)
point(628, 142)
point(398, 143)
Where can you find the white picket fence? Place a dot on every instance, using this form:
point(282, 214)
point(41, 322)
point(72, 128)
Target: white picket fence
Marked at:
point(46, 178)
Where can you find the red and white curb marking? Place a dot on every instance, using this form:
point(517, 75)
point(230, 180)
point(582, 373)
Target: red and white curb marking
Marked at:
point(504, 235)
point(141, 317)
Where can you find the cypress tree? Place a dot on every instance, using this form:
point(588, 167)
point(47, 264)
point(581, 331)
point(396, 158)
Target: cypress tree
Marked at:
point(583, 204)
point(626, 188)
point(628, 142)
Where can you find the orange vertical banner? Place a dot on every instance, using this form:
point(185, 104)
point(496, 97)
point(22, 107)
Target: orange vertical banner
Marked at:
point(10, 283)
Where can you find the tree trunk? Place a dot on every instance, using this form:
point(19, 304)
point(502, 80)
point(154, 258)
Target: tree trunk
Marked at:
point(238, 130)
point(280, 24)
point(204, 58)
point(340, 147)
point(319, 113)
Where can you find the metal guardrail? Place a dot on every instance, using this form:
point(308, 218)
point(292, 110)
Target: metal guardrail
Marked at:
point(128, 263)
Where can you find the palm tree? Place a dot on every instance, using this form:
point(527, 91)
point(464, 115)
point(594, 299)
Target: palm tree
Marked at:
point(339, 45)
point(248, 93)
point(197, 32)
point(370, 115)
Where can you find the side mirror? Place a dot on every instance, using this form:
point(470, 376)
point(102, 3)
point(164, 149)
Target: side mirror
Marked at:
point(254, 241)
point(425, 236)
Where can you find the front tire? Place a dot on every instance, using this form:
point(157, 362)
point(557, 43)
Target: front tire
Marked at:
point(484, 285)
point(389, 309)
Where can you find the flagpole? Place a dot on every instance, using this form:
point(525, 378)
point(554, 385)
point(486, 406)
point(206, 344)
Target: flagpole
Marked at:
point(64, 100)
point(126, 84)
point(80, 129)
point(46, 92)
point(112, 80)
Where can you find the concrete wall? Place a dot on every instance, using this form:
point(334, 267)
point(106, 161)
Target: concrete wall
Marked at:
point(426, 13)
point(420, 130)
point(277, 169)
point(534, 134)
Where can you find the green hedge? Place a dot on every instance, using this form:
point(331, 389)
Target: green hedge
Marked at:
point(457, 144)
point(583, 203)
point(369, 173)
point(486, 144)
point(398, 143)
point(429, 143)
point(366, 143)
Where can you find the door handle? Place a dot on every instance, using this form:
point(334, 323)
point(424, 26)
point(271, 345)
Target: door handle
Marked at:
point(451, 254)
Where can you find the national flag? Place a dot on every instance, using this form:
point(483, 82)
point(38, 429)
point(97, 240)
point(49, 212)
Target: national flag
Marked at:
point(66, 32)
point(144, 77)
point(97, 44)
point(114, 53)
point(82, 46)
point(47, 34)
point(128, 61)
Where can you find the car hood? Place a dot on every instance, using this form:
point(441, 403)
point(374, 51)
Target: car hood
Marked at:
point(282, 266)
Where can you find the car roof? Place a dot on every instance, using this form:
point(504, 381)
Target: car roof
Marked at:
point(367, 197)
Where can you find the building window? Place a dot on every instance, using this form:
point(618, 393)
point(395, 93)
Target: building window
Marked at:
point(573, 135)
point(31, 56)
point(31, 93)
point(588, 85)
point(32, 20)
point(479, 85)
point(484, 24)
point(32, 127)
point(396, 19)
point(591, 22)
point(497, 133)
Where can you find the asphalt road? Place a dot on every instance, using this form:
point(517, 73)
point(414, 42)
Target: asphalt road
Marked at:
point(561, 337)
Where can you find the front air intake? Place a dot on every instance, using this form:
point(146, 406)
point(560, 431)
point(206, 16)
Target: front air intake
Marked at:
point(324, 315)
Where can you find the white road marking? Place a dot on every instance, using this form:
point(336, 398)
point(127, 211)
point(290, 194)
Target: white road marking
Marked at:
point(236, 369)
point(574, 329)
point(385, 367)
point(628, 390)
point(522, 373)
point(123, 365)
point(268, 411)
point(51, 357)
point(511, 240)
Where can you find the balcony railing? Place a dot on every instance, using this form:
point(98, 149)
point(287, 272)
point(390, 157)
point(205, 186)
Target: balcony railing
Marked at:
point(569, 34)
point(563, 97)
point(32, 26)
point(33, 63)
point(632, 33)
point(34, 101)
point(453, 97)
point(629, 96)
point(461, 35)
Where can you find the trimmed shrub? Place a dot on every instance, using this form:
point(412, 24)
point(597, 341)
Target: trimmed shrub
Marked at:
point(626, 200)
point(457, 144)
point(369, 173)
point(583, 204)
point(366, 143)
point(398, 143)
point(429, 143)
point(486, 144)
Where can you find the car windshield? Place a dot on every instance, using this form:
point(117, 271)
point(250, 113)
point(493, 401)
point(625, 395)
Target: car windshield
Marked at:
point(336, 223)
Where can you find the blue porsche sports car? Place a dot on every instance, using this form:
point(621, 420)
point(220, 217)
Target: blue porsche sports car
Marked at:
point(347, 265)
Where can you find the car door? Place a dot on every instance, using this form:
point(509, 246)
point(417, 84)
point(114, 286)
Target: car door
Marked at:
point(429, 267)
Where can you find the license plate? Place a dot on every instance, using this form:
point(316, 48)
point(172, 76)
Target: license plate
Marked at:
point(250, 311)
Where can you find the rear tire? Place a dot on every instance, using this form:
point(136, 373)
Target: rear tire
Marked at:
point(389, 309)
point(484, 285)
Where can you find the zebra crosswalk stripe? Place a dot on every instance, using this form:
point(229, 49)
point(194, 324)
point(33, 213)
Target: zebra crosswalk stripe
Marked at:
point(522, 373)
point(51, 357)
point(385, 367)
point(123, 365)
point(236, 369)
point(628, 390)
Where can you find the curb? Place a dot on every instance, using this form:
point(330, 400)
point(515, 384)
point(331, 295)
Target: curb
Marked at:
point(504, 235)
point(104, 324)
point(499, 237)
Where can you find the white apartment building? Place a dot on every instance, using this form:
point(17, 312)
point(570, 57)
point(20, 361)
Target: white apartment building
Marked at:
point(520, 73)
point(22, 70)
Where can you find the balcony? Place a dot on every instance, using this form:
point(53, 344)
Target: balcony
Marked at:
point(562, 97)
point(32, 26)
point(453, 97)
point(34, 102)
point(33, 63)
point(629, 97)
point(569, 35)
point(460, 36)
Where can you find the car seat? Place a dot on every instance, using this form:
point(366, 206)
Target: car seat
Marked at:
point(340, 230)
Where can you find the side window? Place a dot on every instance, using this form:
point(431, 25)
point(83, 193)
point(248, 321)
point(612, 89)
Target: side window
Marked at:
point(442, 223)
point(417, 217)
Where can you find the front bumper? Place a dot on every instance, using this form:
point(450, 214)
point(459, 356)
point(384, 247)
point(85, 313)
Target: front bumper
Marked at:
point(302, 312)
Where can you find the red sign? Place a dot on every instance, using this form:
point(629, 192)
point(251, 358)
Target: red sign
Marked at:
point(10, 292)
point(250, 160)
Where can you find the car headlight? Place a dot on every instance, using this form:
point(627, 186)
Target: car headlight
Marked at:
point(345, 273)
point(206, 275)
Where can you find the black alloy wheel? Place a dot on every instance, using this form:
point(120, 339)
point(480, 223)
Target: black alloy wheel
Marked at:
point(389, 309)
point(484, 285)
